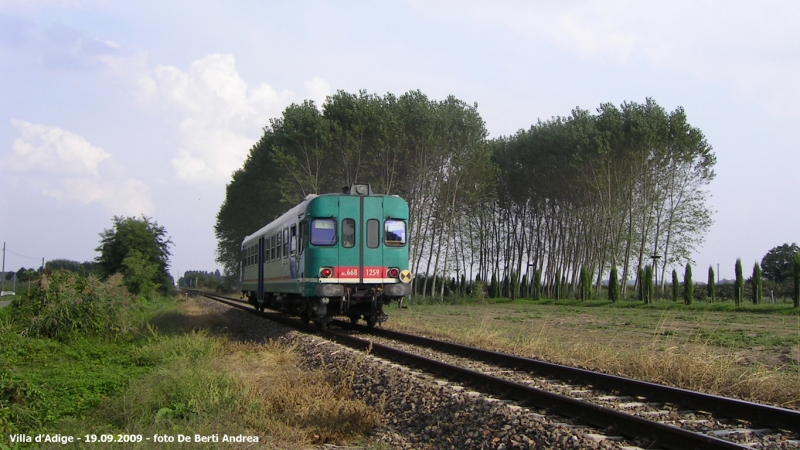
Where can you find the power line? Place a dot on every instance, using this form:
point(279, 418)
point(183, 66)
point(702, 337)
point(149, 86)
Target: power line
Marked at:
point(29, 257)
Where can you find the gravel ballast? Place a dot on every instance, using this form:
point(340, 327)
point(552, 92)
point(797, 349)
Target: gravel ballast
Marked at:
point(418, 410)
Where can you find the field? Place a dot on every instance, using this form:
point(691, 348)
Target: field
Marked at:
point(751, 352)
point(171, 365)
point(178, 369)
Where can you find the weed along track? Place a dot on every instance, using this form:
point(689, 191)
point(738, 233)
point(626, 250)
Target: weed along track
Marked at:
point(566, 407)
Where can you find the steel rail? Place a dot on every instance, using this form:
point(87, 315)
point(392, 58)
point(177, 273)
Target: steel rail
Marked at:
point(665, 435)
point(771, 416)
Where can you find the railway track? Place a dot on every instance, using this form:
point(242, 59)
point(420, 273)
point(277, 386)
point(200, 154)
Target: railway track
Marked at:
point(666, 417)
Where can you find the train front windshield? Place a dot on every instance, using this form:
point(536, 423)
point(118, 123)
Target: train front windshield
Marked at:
point(323, 232)
point(395, 232)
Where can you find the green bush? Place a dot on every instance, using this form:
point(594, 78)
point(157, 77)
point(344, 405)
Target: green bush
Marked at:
point(65, 304)
point(18, 400)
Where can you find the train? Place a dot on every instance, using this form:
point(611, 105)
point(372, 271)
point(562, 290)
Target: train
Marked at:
point(342, 254)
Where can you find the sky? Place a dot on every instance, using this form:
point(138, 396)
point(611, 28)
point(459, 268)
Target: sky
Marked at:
point(128, 108)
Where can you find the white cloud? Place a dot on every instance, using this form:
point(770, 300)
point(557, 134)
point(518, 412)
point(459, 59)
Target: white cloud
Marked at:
point(220, 117)
point(751, 46)
point(65, 166)
point(317, 89)
point(53, 150)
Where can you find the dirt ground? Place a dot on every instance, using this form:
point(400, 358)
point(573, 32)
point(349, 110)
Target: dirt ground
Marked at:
point(771, 340)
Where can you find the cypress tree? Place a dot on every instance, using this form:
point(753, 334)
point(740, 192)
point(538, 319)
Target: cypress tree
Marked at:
point(462, 288)
point(648, 284)
point(537, 285)
point(757, 284)
point(523, 287)
point(493, 286)
point(688, 285)
point(712, 287)
point(613, 285)
point(738, 289)
point(796, 281)
point(676, 287)
point(585, 288)
point(640, 282)
point(564, 286)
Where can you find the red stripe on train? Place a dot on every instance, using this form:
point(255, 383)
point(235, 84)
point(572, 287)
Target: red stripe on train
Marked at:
point(353, 272)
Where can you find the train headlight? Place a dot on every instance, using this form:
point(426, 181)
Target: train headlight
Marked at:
point(326, 272)
point(394, 272)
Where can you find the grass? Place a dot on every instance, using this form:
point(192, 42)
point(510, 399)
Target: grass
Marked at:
point(174, 370)
point(750, 352)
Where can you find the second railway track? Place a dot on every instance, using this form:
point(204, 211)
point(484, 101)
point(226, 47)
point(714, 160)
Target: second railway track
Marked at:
point(663, 416)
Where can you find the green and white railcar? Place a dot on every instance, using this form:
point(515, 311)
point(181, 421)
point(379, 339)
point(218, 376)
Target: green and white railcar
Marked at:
point(333, 254)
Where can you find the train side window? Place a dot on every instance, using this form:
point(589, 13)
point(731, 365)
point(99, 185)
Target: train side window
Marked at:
point(293, 239)
point(303, 235)
point(280, 243)
point(348, 233)
point(323, 232)
point(395, 233)
point(286, 242)
point(373, 233)
point(272, 251)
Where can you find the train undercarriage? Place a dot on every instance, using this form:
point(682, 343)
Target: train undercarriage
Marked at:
point(356, 302)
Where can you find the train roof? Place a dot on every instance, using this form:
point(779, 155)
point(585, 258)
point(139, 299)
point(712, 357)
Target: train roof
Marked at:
point(302, 206)
point(296, 210)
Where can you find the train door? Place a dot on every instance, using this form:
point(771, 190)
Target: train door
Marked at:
point(360, 234)
point(350, 231)
point(372, 268)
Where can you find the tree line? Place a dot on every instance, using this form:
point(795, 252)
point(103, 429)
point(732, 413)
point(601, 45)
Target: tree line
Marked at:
point(135, 247)
point(558, 206)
